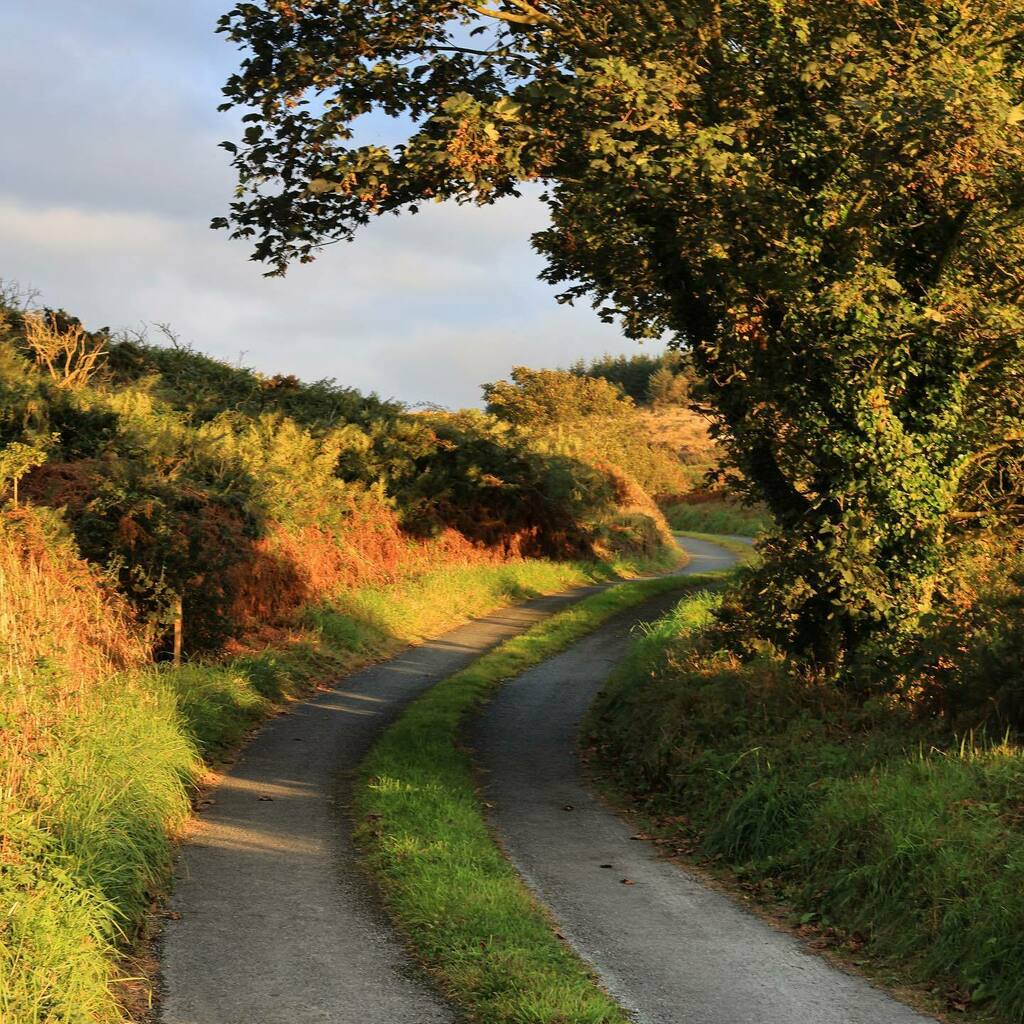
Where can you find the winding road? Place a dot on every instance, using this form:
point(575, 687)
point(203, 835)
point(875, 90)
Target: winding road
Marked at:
point(669, 949)
point(273, 920)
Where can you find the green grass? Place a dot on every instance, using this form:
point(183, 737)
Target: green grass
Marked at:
point(460, 903)
point(901, 844)
point(717, 516)
point(89, 810)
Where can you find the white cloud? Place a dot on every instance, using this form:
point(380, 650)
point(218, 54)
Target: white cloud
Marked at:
point(110, 173)
point(422, 308)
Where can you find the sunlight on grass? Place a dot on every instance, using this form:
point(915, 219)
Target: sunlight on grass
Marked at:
point(100, 777)
point(902, 843)
point(462, 906)
point(718, 516)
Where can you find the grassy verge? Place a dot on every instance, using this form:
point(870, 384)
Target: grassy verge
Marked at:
point(460, 903)
point(881, 837)
point(95, 778)
point(718, 516)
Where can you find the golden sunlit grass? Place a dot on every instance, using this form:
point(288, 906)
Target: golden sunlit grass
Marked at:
point(718, 515)
point(682, 430)
point(98, 750)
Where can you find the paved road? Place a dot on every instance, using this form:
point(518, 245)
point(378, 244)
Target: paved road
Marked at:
point(276, 923)
point(669, 949)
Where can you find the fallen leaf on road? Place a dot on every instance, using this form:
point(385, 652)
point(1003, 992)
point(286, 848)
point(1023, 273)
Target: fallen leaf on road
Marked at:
point(628, 881)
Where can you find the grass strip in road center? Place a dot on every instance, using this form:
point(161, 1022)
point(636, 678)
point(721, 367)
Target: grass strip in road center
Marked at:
point(462, 906)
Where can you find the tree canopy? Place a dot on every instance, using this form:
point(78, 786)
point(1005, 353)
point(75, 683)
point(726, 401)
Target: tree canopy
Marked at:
point(822, 199)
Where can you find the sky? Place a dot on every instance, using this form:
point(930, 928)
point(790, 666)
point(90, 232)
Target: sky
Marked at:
point(110, 172)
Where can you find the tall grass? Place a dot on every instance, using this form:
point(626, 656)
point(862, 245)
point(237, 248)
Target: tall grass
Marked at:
point(99, 753)
point(86, 811)
point(716, 515)
point(879, 828)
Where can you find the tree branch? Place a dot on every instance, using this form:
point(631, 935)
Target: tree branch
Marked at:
point(536, 18)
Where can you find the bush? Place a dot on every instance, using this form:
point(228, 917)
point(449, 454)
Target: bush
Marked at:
point(701, 512)
point(587, 418)
point(246, 497)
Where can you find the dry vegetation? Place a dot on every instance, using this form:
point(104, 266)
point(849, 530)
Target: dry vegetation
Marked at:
point(684, 431)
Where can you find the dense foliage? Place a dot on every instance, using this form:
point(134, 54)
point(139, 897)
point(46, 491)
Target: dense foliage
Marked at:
point(585, 416)
point(665, 379)
point(890, 834)
point(248, 496)
point(820, 198)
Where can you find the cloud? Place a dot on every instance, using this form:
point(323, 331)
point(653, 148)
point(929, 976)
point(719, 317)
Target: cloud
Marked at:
point(110, 172)
point(422, 308)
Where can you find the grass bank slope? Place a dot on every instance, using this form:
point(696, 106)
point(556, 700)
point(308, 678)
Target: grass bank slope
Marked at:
point(888, 837)
point(293, 531)
point(101, 751)
point(709, 512)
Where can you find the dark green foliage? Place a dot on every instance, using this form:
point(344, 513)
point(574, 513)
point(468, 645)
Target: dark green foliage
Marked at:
point(495, 487)
point(969, 666)
point(874, 821)
point(204, 387)
point(664, 378)
point(819, 198)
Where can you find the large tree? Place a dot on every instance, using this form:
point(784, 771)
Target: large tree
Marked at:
point(822, 199)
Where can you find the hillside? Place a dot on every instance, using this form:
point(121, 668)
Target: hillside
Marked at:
point(276, 533)
point(665, 389)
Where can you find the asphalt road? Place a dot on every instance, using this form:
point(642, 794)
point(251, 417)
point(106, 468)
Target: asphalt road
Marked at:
point(668, 948)
point(277, 924)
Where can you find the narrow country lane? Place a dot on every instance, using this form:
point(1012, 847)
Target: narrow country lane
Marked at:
point(669, 949)
point(276, 924)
